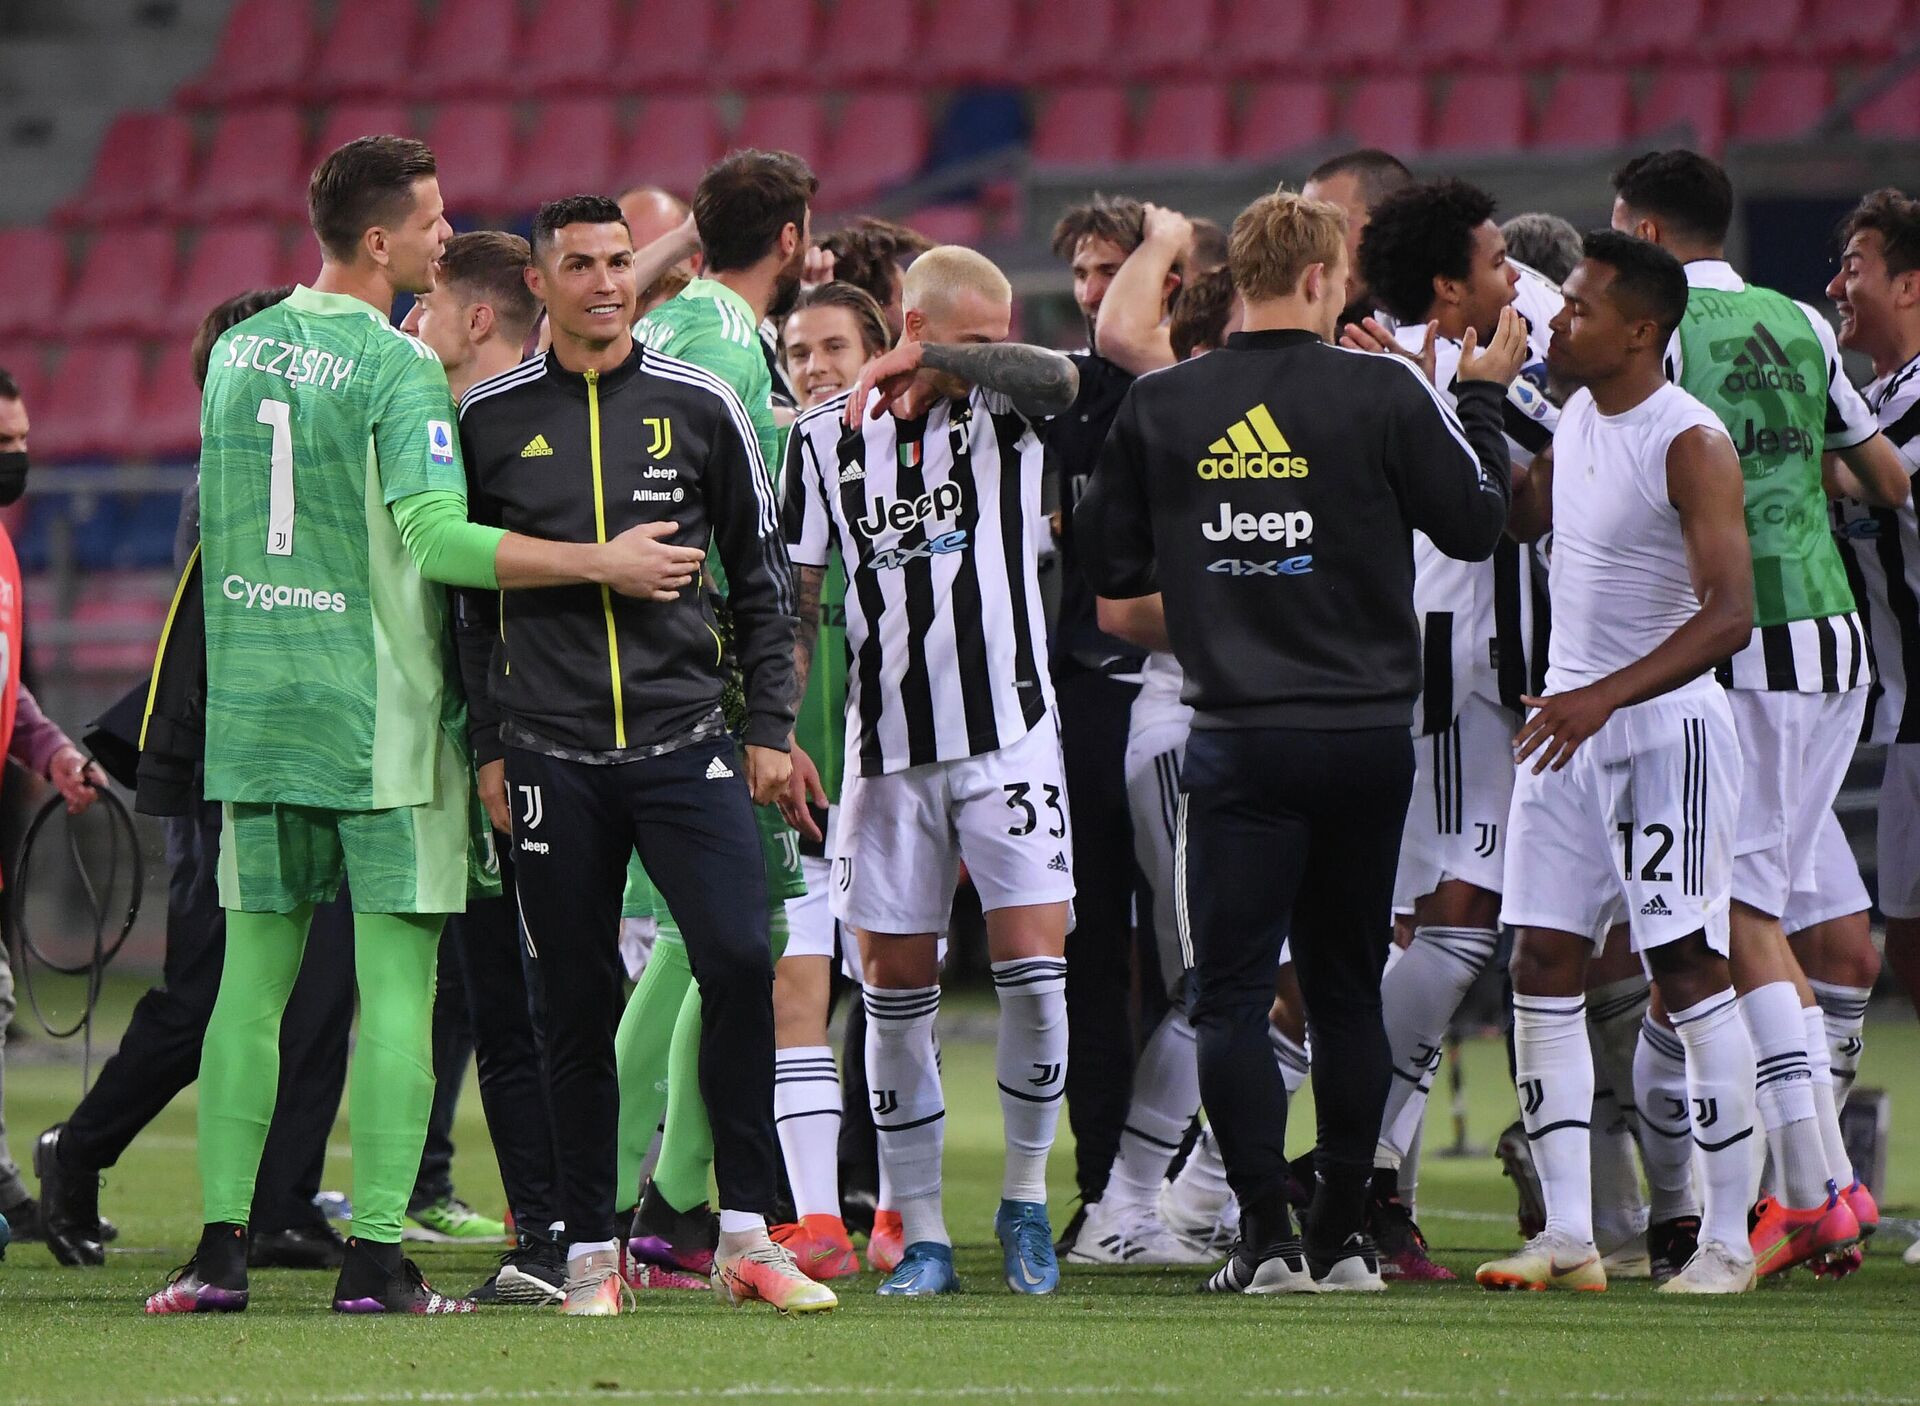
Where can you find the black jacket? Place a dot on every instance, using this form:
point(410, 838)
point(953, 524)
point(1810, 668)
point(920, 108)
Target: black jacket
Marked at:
point(1269, 490)
point(555, 454)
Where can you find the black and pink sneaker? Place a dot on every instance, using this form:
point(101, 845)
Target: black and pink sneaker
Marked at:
point(213, 1281)
point(378, 1279)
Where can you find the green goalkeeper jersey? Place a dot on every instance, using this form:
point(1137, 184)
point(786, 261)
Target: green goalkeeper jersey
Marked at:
point(329, 658)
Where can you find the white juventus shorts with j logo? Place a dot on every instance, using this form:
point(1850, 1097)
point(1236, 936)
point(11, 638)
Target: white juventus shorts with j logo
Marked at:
point(1639, 827)
point(901, 836)
point(1462, 784)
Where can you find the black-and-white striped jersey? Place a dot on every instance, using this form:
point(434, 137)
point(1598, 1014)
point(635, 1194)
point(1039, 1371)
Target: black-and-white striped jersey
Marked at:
point(934, 520)
point(1881, 551)
point(1484, 624)
point(1828, 654)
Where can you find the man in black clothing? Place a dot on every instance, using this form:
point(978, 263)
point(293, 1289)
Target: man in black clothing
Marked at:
point(1268, 492)
point(615, 737)
point(1095, 679)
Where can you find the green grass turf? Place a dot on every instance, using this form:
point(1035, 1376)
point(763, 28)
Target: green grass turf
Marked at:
point(72, 1336)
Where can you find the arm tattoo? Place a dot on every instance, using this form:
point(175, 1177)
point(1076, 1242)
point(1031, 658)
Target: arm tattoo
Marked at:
point(1038, 382)
point(807, 632)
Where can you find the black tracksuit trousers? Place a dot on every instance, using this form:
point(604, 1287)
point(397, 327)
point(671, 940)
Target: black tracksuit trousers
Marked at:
point(689, 815)
point(1288, 832)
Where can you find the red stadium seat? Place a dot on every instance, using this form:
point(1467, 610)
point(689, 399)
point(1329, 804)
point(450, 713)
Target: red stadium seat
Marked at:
point(1284, 116)
point(1483, 114)
point(26, 363)
point(140, 171)
point(1658, 29)
point(1451, 32)
point(1262, 37)
point(568, 47)
point(1585, 112)
point(1859, 29)
point(1895, 114)
point(1741, 29)
point(792, 122)
point(766, 42)
point(87, 407)
point(255, 168)
point(668, 42)
point(969, 41)
point(1067, 39)
point(351, 120)
point(1685, 107)
point(950, 224)
point(673, 143)
point(122, 284)
point(1081, 127)
point(368, 53)
point(299, 260)
point(129, 626)
point(1785, 101)
point(869, 39)
point(226, 260)
point(1160, 40)
point(880, 141)
point(1355, 33)
point(1184, 123)
point(1389, 113)
point(264, 53)
point(473, 144)
point(33, 275)
point(1546, 34)
point(167, 424)
point(570, 150)
point(469, 50)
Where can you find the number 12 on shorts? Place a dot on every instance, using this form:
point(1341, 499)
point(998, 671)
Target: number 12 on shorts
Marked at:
point(1651, 872)
point(278, 415)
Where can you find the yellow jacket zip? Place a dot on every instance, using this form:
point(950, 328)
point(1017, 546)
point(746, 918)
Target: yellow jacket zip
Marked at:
point(600, 534)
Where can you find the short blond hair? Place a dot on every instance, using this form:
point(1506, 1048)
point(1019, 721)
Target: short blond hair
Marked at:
point(1278, 237)
point(947, 270)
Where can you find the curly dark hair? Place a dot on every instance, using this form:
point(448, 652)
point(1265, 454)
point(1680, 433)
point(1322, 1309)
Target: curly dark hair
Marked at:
point(869, 252)
point(1200, 312)
point(1119, 219)
point(1895, 217)
point(1417, 234)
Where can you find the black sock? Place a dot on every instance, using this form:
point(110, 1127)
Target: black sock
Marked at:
point(1265, 1226)
point(221, 1255)
point(1339, 1206)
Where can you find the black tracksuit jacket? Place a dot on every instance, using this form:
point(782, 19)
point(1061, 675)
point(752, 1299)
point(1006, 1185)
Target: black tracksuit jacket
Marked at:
point(570, 457)
point(1269, 490)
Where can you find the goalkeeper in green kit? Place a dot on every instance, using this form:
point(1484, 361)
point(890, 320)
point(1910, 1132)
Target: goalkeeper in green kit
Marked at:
point(333, 513)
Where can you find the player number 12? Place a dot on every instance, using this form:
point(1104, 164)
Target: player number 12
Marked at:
point(279, 415)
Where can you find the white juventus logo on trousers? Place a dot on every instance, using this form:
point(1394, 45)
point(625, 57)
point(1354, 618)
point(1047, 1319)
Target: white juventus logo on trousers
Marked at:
point(535, 812)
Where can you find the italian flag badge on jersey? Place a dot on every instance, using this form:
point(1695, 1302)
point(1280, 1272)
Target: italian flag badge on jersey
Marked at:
point(910, 454)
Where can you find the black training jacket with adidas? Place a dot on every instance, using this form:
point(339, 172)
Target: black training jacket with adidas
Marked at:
point(580, 458)
point(1269, 490)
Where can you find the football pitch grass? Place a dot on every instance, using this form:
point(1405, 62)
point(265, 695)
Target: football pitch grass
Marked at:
point(1111, 1335)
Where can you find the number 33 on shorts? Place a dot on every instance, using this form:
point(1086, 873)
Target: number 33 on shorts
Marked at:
point(1019, 800)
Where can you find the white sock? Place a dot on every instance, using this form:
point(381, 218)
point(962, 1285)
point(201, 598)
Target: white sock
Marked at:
point(1666, 1128)
point(1166, 1095)
point(1826, 1106)
point(1619, 1211)
point(1720, 1084)
point(909, 1106)
point(580, 1249)
point(1407, 1185)
point(1292, 1057)
point(806, 1113)
point(1203, 1171)
point(1784, 1092)
point(1418, 999)
point(1614, 1013)
point(1030, 1062)
point(1844, 1009)
point(1554, 1073)
point(750, 1224)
